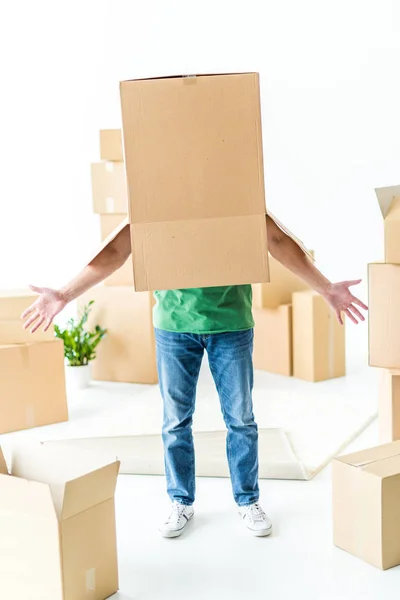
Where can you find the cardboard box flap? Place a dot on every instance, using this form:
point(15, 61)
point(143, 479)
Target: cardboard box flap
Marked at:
point(3, 464)
point(385, 196)
point(187, 76)
point(107, 240)
point(387, 467)
point(89, 490)
point(25, 497)
point(292, 236)
point(371, 455)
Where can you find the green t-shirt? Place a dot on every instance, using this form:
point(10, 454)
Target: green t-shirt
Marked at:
point(204, 310)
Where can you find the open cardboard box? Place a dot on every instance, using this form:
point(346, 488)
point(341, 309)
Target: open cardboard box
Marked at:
point(57, 523)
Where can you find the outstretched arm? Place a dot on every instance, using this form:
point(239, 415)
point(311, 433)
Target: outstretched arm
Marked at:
point(51, 302)
point(337, 295)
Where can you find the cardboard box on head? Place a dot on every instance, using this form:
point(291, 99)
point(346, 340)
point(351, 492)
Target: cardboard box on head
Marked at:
point(57, 518)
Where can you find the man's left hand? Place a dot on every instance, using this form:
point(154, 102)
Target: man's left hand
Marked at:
point(339, 297)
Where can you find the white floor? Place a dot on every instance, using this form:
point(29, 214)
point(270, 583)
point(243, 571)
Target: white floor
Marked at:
point(216, 558)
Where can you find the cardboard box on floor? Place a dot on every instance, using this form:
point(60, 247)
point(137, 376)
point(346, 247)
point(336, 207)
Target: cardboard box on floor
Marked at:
point(109, 190)
point(389, 202)
point(366, 504)
point(127, 353)
point(124, 275)
point(384, 316)
point(111, 145)
point(57, 522)
point(273, 340)
point(318, 339)
point(283, 283)
point(389, 406)
point(32, 385)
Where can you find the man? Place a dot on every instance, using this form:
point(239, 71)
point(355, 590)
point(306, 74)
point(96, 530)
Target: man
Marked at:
point(188, 322)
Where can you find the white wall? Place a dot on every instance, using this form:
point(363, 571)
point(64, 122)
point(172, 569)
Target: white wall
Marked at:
point(330, 99)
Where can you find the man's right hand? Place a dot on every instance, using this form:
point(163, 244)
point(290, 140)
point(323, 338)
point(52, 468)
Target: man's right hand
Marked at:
point(42, 312)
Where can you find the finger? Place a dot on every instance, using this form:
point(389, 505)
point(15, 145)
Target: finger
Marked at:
point(37, 325)
point(48, 323)
point(28, 311)
point(353, 282)
point(358, 301)
point(348, 313)
point(36, 289)
point(339, 317)
point(31, 320)
point(356, 312)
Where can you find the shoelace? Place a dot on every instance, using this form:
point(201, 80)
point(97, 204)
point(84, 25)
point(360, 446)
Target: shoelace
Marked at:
point(255, 512)
point(176, 512)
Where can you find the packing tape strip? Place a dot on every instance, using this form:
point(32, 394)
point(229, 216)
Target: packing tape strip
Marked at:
point(91, 580)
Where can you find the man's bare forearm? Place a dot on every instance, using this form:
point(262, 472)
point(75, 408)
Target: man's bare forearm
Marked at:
point(111, 258)
point(289, 254)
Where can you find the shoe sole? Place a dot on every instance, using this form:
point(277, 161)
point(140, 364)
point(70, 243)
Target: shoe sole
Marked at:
point(175, 532)
point(262, 532)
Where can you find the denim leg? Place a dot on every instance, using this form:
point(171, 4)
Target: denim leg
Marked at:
point(179, 357)
point(231, 363)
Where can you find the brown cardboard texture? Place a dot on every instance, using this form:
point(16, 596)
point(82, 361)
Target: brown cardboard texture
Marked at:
point(384, 316)
point(366, 507)
point(283, 283)
point(111, 145)
point(127, 353)
point(109, 191)
point(14, 302)
point(57, 506)
point(273, 340)
point(389, 406)
point(389, 202)
point(32, 385)
point(124, 275)
point(318, 339)
point(195, 175)
point(13, 332)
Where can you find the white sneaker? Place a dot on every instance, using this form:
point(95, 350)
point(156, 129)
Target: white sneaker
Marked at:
point(255, 519)
point(178, 519)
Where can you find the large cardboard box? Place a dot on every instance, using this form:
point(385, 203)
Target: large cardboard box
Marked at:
point(13, 332)
point(12, 305)
point(318, 339)
point(366, 504)
point(273, 340)
point(14, 302)
point(194, 163)
point(384, 315)
point(57, 522)
point(283, 283)
point(127, 353)
point(32, 385)
point(109, 191)
point(389, 202)
point(111, 145)
point(389, 406)
point(124, 275)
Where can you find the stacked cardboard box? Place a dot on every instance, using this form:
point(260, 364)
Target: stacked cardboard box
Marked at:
point(57, 521)
point(127, 354)
point(32, 377)
point(296, 333)
point(384, 322)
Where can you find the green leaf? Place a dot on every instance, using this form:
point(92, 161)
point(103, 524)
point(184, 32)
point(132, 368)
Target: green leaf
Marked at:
point(79, 343)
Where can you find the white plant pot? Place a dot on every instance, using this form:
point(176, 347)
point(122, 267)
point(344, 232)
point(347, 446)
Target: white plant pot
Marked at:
point(78, 378)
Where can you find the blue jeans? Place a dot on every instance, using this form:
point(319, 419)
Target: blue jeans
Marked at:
point(179, 357)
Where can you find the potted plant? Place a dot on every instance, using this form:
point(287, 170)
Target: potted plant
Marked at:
point(80, 347)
